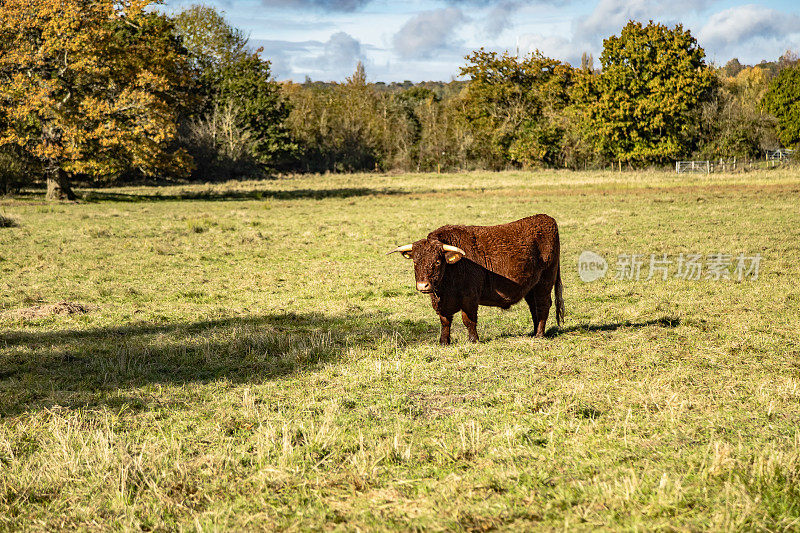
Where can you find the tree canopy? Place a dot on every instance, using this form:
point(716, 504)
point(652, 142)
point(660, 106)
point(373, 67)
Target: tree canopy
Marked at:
point(782, 99)
point(644, 105)
point(233, 77)
point(511, 103)
point(90, 87)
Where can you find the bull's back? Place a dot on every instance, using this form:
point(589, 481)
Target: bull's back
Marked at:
point(518, 250)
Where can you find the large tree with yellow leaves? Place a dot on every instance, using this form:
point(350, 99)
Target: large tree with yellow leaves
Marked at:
point(91, 87)
point(644, 106)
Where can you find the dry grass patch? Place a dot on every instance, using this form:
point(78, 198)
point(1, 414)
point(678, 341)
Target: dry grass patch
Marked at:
point(43, 311)
point(7, 222)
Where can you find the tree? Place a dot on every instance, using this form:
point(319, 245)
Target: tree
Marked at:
point(213, 45)
point(89, 87)
point(345, 126)
point(731, 124)
point(782, 99)
point(732, 67)
point(648, 95)
point(232, 76)
point(247, 84)
point(512, 105)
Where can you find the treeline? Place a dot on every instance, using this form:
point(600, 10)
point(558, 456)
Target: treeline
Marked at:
point(651, 100)
point(110, 90)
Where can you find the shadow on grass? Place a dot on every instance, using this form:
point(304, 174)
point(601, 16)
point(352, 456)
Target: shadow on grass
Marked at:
point(84, 367)
point(296, 194)
point(664, 322)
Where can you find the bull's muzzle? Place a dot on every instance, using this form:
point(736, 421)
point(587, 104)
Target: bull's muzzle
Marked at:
point(424, 286)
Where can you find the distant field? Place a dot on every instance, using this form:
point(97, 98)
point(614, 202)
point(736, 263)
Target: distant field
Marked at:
point(244, 356)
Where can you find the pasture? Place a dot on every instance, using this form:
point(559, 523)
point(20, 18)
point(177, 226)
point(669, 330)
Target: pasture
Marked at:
point(244, 356)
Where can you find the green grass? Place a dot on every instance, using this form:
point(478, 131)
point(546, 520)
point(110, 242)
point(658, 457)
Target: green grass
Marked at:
point(249, 358)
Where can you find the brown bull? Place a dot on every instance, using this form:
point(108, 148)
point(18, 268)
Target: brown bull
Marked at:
point(462, 267)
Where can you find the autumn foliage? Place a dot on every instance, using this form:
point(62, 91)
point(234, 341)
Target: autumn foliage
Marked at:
point(90, 87)
point(111, 89)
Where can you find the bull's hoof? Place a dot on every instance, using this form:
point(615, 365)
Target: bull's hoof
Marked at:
point(473, 340)
point(444, 342)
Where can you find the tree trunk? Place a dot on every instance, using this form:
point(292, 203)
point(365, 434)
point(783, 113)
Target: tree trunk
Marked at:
point(58, 185)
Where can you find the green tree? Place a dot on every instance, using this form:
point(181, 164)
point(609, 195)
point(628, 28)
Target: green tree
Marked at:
point(232, 77)
point(213, 45)
point(211, 42)
point(247, 84)
point(410, 105)
point(513, 104)
point(89, 87)
point(649, 93)
point(782, 99)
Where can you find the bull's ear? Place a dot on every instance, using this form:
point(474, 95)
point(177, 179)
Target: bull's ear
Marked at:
point(452, 254)
point(408, 255)
point(452, 257)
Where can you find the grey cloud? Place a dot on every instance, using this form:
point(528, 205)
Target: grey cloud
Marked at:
point(353, 5)
point(429, 32)
point(282, 54)
point(500, 17)
point(484, 3)
point(742, 23)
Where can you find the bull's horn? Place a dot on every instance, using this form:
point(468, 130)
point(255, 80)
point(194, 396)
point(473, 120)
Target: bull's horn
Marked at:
point(448, 248)
point(404, 248)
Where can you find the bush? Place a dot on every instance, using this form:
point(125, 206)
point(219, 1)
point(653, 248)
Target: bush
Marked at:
point(222, 149)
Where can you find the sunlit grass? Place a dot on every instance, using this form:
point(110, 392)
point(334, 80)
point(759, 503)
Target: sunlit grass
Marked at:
point(245, 356)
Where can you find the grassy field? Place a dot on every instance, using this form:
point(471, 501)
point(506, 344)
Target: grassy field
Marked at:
point(245, 356)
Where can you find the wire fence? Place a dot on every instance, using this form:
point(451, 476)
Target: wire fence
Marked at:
point(708, 166)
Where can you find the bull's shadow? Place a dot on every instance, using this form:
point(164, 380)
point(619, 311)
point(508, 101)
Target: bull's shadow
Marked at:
point(91, 367)
point(664, 322)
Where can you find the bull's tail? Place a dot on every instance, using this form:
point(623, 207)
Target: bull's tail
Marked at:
point(559, 288)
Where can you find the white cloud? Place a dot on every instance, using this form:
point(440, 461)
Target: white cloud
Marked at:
point(737, 25)
point(340, 51)
point(429, 33)
point(554, 46)
point(418, 39)
point(325, 5)
point(611, 15)
point(330, 60)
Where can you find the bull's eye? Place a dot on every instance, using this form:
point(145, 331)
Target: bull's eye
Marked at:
point(438, 261)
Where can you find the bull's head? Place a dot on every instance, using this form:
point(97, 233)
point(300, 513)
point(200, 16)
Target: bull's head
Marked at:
point(430, 258)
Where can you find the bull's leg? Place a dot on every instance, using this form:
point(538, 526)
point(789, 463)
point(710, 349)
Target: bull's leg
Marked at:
point(469, 315)
point(444, 338)
point(539, 301)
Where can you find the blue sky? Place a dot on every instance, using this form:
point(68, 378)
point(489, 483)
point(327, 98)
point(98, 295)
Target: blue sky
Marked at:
point(416, 40)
